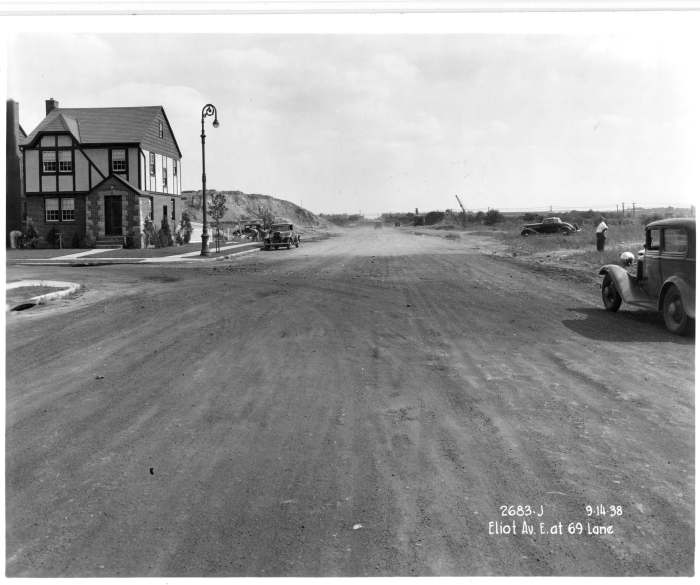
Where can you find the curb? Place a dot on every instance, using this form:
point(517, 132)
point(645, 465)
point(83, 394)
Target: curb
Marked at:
point(231, 256)
point(68, 289)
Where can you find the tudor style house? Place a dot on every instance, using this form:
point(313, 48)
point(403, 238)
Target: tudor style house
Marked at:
point(97, 175)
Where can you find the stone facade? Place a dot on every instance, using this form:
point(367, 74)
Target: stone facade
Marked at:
point(132, 206)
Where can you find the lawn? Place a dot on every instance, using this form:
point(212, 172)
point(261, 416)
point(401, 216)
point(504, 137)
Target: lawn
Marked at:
point(15, 296)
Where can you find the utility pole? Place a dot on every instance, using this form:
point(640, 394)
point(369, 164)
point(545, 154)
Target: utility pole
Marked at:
point(633, 208)
point(623, 210)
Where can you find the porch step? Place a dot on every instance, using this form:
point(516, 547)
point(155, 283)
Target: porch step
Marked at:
point(110, 242)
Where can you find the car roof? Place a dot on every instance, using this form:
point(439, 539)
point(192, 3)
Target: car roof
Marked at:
point(688, 222)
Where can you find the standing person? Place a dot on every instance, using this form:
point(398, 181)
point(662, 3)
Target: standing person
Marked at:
point(601, 233)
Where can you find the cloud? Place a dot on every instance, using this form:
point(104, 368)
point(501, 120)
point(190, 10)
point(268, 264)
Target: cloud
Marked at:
point(372, 120)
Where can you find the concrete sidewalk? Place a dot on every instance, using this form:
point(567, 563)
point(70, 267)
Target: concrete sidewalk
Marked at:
point(106, 255)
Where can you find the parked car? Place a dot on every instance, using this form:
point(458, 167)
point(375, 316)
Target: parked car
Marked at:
point(665, 275)
point(253, 230)
point(281, 234)
point(549, 225)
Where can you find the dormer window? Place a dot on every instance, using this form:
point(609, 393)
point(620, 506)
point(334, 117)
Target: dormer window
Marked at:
point(119, 160)
point(160, 129)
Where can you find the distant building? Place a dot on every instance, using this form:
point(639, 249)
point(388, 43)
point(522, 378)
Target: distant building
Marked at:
point(98, 174)
point(14, 195)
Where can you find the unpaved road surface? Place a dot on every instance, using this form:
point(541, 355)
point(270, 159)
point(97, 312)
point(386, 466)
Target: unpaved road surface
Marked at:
point(364, 405)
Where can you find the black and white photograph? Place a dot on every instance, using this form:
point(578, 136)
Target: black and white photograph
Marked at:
point(350, 295)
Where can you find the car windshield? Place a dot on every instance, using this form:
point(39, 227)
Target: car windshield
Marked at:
point(282, 227)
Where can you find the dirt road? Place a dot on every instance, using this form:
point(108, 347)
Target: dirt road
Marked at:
point(359, 406)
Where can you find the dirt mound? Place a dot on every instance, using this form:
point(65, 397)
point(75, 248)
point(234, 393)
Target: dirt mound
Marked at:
point(244, 206)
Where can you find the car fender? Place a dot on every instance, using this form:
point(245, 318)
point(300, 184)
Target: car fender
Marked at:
point(626, 284)
point(687, 294)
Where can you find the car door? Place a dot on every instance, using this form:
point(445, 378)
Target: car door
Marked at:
point(674, 254)
point(652, 264)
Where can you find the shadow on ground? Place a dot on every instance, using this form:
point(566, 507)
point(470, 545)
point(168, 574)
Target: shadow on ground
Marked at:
point(624, 326)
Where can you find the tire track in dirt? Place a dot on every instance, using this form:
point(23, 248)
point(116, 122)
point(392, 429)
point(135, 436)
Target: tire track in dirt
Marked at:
point(360, 406)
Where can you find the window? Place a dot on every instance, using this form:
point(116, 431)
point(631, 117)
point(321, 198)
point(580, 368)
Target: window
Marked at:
point(48, 158)
point(676, 240)
point(174, 168)
point(60, 209)
point(68, 209)
point(65, 161)
point(119, 160)
point(152, 163)
point(52, 213)
point(165, 176)
point(160, 129)
point(653, 239)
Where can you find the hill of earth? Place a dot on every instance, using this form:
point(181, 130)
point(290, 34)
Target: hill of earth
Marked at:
point(241, 207)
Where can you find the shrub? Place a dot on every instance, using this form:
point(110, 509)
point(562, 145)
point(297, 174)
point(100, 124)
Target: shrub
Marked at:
point(164, 235)
point(51, 238)
point(493, 216)
point(433, 217)
point(185, 232)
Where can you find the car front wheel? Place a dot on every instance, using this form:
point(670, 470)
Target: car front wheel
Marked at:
point(611, 298)
point(675, 317)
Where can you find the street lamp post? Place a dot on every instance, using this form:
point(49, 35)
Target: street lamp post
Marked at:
point(208, 110)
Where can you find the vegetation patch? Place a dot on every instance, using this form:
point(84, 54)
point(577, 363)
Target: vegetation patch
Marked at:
point(22, 294)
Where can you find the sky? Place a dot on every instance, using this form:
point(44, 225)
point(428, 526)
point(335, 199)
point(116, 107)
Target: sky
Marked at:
point(372, 123)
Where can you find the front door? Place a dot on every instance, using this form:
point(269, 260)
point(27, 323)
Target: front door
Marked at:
point(113, 215)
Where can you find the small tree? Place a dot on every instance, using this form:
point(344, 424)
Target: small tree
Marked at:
point(266, 216)
point(217, 207)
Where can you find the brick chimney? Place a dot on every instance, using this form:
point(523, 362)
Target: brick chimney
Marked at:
point(51, 105)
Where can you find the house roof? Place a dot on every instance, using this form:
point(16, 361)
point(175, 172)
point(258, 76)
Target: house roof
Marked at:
point(118, 179)
point(132, 125)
